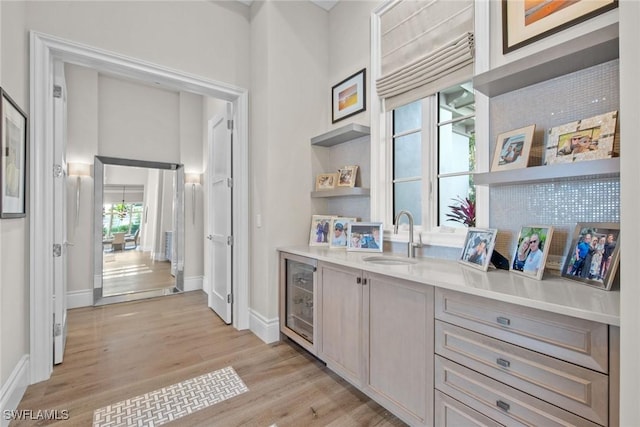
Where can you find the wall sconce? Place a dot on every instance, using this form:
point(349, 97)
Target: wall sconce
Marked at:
point(78, 170)
point(193, 179)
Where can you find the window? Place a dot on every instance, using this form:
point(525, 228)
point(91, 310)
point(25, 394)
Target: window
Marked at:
point(433, 149)
point(121, 217)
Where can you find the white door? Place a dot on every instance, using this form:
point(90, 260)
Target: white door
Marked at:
point(219, 224)
point(60, 214)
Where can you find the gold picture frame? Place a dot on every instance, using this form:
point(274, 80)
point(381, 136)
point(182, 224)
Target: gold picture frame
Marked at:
point(347, 176)
point(512, 149)
point(326, 181)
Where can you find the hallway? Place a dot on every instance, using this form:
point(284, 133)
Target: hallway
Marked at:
point(119, 351)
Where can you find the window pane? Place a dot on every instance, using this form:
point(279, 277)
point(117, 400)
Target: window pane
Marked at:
point(407, 155)
point(407, 117)
point(457, 101)
point(457, 147)
point(408, 196)
point(450, 190)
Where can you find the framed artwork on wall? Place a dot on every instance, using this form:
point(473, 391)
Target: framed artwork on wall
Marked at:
point(13, 167)
point(531, 252)
point(593, 255)
point(478, 247)
point(364, 236)
point(512, 149)
point(524, 22)
point(349, 97)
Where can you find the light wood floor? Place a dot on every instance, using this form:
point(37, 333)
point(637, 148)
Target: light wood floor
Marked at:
point(123, 350)
point(132, 270)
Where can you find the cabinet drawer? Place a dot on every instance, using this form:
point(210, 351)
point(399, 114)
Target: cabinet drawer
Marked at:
point(498, 401)
point(451, 413)
point(576, 389)
point(575, 340)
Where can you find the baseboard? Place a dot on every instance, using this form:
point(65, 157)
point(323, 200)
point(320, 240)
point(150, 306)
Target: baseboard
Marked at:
point(83, 298)
point(192, 283)
point(268, 330)
point(12, 391)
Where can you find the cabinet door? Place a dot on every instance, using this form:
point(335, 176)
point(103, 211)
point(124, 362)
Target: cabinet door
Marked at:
point(399, 339)
point(341, 320)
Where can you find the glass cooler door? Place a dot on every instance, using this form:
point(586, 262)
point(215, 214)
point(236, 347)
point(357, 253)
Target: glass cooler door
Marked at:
point(299, 298)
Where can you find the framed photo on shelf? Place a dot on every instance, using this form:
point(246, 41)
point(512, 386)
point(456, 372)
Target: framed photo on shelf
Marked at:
point(326, 181)
point(347, 176)
point(13, 167)
point(594, 254)
point(524, 22)
point(364, 236)
point(339, 229)
point(531, 251)
point(478, 247)
point(512, 149)
point(349, 97)
point(587, 139)
point(320, 230)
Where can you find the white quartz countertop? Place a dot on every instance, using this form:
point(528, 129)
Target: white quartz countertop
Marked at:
point(553, 293)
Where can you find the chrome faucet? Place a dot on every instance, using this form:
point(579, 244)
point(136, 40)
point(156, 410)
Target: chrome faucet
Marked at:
point(411, 247)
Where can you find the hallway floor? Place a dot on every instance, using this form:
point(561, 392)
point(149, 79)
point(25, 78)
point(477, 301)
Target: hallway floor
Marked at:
point(120, 351)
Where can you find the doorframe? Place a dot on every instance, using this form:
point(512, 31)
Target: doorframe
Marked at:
point(44, 50)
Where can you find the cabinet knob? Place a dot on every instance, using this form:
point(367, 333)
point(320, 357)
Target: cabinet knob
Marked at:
point(503, 405)
point(359, 280)
point(502, 362)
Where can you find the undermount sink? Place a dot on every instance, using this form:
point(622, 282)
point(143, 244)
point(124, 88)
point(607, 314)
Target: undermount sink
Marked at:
point(389, 260)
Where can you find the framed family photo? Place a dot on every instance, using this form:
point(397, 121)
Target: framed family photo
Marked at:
point(13, 167)
point(347, 176)
point(320, 230)
point(512, 149)
point(594, 254)
point(349, 97)
point(586, 139)
point(531, 251)
point(339, 229)
point(524, 22)
point(478, 247)
point(326, 181)
point(364, 236)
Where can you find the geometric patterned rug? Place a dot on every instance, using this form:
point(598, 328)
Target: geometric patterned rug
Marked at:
point(170, 403)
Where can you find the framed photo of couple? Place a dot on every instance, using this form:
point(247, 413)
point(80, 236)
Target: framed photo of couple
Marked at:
point(531, 251)
point(478, 248)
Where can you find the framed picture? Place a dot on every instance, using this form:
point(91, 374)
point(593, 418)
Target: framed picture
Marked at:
point(320, 229)
point(524, 22)
point(347, 176)
point(13, 168)
point(594, 254)
point(531, 251)
point(478, 247)
point(349, 97)
point(587, 139)
point(364, 236)
point(512, 149)
point(339, 229)
point(326, 181)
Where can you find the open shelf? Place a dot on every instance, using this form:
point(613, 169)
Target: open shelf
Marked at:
point(340, 192)
point(591, 49)
point(604, 168)
point(340, 135)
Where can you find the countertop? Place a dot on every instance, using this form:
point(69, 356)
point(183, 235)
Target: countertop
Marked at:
point(553, 293)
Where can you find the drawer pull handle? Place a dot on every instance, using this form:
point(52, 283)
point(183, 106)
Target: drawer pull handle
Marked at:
point(503, 321)
point(503, 363)
point(358, 280)
point(503, 405)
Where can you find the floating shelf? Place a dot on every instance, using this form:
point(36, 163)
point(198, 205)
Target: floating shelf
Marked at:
point(340, 192)
point(591, 49)
point(604, 168)
point(340, 135)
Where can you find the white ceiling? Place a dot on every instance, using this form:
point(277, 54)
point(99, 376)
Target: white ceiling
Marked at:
point(325, 4)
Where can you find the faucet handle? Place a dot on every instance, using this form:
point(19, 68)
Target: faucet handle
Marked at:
point(419, 244)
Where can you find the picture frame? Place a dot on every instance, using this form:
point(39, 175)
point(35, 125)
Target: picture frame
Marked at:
point(532, 247)
point(512, 149)
point(365, 237)
point(522, 26)
point(347, 176)
point(601, 255)
point(587, 139)
point(13, 166)
point(339, 231)
point(326, 181)
point(478, 247)
point(320, 230)
point(349, 97)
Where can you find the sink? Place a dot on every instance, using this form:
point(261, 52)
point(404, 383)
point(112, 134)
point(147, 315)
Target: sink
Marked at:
point(389, 260)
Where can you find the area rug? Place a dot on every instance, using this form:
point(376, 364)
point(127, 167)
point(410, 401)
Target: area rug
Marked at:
point(170, 403)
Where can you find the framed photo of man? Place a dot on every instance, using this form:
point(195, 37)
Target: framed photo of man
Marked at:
point(512, 149)
point(531, 251)
point(478, 247)
point(339, 229)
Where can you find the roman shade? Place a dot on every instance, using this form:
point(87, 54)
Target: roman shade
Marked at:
point(426, 46)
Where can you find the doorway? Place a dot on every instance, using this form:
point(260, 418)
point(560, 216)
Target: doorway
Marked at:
point(44, 51)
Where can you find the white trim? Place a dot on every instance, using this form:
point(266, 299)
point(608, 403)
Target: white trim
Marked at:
point(13, 390)
point(77, 299)
point(193, 283)
point(43, 50)
point(268, 330)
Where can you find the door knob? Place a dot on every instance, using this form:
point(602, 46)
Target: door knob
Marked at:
point(210, 237)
